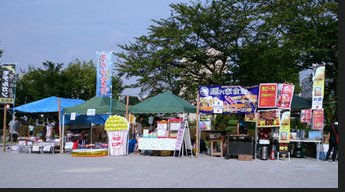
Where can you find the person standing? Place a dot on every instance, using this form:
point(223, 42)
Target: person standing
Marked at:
point(31, 130)
point(14, 126)
point(333, 142)
point(138, 133)
point(49, 129)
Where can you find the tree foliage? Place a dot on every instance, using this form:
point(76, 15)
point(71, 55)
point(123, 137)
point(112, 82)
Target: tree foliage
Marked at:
point(234, 42)
point(77, 80)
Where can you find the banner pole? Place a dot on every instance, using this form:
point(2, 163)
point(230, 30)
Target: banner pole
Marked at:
point(4, 129)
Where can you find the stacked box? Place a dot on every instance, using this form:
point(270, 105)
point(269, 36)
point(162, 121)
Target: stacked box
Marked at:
point(245, 157)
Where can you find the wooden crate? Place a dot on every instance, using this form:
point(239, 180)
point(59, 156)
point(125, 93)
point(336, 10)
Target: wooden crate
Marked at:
point(245, 157)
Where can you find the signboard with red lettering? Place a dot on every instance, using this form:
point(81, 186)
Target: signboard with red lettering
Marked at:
point(285, 93)
point(318, 119)
point(306, 116)
point(267, 95)
point(117, 130)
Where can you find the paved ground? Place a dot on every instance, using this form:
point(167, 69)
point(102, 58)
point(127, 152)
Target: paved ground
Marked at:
point(136, 171)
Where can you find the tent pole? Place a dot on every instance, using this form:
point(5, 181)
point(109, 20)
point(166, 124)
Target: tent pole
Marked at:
point(62, 134)
point(197, 127)
point(127, 101)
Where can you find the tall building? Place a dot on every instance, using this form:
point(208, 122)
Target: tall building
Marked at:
point(307, 87)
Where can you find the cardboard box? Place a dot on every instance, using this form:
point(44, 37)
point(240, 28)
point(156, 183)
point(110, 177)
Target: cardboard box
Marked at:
point(245, 157)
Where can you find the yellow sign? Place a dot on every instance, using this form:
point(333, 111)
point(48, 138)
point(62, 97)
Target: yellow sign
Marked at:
point(284, 131)
point(116, 123)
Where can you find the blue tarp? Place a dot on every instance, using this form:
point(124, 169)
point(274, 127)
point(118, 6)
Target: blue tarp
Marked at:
point(84, 119)
point(48, 105)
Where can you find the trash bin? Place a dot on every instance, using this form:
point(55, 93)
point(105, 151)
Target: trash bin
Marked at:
point(264, 152)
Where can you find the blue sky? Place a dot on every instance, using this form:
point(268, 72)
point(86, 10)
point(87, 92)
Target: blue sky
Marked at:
point(33, 31)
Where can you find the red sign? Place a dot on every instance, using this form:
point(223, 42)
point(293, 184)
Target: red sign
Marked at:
point(285, 96)
point(318, 119)
point(306, 116)
point(267, 95)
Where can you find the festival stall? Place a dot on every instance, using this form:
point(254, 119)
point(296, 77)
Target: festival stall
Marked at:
point(47, 105)
point(94, 111)
point(170, 133)
point(214, 100)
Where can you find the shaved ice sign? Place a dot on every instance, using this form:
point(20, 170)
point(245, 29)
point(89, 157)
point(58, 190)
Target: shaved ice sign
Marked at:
point(117, 131)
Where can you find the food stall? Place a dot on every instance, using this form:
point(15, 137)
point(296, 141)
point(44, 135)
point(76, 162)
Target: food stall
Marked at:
point(168, 133)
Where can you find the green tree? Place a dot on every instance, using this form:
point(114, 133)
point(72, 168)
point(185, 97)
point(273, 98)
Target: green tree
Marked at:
point(216, 43)
point(78, 80)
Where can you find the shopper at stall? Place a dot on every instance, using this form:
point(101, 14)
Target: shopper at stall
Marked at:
point(49, 129)
point(138, 133)
point(14, 126)
point(31, 130)
point(333, 142)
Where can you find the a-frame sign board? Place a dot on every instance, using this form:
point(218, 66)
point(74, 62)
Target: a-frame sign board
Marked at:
point(183, 142)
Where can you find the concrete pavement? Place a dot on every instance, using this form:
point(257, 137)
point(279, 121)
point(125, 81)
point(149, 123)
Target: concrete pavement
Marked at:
point(22, 170)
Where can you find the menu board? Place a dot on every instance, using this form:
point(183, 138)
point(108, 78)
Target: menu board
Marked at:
point(267, 95)
point(318, 119)
point(268, 118)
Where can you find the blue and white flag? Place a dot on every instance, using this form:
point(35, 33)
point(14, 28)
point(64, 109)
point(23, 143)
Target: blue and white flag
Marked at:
point(104, 68)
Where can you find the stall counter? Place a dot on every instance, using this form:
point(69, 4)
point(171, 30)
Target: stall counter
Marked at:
point(157, 144)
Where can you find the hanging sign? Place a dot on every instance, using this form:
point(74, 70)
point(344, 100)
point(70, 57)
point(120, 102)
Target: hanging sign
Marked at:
point(285, 94)
point(175, 124)
point(284, 129)
point(250, 117)
point(268, 118)
point(318, 87)
point(7, 75)
point(267, 95)
point(205, 122)
point(318, 118)
point(228, 99)
point(306, 116)
point(91, 112)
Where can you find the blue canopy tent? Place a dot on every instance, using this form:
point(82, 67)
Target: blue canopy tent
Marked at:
point(49, 105)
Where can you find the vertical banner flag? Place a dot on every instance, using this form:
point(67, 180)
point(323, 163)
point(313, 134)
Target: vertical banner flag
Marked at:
point(318, 87)
point(267, 95)
point(284, 129)
point(318, 119)
point(7, 72)
point(117, 130)
point(104, 69)
point(285, 94)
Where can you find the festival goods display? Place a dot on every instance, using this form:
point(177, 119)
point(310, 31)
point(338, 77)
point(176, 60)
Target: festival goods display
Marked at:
point(117, 130)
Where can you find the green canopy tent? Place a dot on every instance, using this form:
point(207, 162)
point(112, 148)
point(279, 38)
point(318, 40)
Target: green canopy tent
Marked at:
point(100, 104)
point(163, 103)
